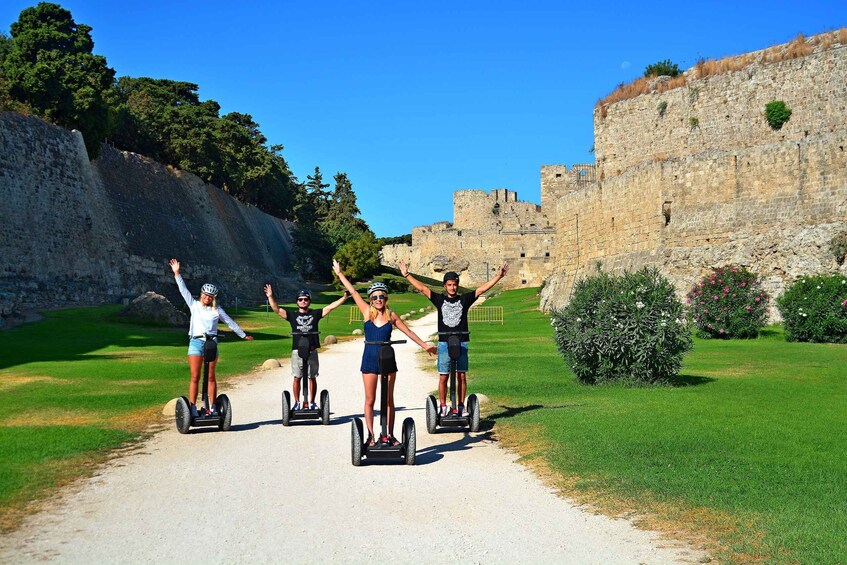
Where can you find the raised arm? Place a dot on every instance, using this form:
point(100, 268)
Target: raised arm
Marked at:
point(232, 325)
point(413, 281)
point(269, 292)
point(501, 272)
point(401, 325)
point(183, 290)
point(332, 306)
point(363, 306)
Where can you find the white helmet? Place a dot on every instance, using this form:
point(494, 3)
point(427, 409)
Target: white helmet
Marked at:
point(377, 286)
point(209, 289)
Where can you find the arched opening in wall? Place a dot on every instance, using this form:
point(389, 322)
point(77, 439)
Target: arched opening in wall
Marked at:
point(523, 254)
point(459, 233)
point(666, 211)
point(523, 281)
point(546, 253)
point(558, 175)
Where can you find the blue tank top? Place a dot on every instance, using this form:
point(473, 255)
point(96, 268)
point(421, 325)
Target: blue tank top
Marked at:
point(370, 357)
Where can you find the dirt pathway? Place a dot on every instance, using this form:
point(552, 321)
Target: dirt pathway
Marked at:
point(264, 493)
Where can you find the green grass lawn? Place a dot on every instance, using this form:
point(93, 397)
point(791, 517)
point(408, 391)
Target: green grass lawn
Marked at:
point(750, 446)
point(82, 382)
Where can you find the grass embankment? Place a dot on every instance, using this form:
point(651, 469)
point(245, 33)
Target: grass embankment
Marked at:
point(82, 383)
point(749, 447)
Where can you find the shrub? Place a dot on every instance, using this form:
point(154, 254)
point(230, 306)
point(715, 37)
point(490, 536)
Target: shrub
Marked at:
point(729, 303)
point(662, 108)
point(815, 309)
point(629, 328)
point(662, 68)
point(777, 113)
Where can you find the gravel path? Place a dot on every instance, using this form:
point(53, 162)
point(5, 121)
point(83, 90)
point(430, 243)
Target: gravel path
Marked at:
point(264, 493)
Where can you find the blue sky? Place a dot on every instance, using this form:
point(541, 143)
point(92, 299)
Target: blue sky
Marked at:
point(414, 100)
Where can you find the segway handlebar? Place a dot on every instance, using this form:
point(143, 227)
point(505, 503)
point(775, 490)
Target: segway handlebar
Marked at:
point(390, 342)
point(454, 333)
point(305, 333)
point(208, 336)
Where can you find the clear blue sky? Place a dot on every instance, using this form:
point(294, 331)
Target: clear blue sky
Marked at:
point(414, 100)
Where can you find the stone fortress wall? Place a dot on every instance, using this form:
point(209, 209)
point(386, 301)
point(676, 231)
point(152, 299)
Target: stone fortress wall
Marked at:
point(75, 231)
point(706, 181)
point(488, 229)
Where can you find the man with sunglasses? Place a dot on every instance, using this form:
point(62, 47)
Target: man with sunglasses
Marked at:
point(304, 319)
point(452, 311)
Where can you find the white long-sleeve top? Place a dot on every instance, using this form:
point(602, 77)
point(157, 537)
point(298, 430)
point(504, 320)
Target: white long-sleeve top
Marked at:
point(204, 319)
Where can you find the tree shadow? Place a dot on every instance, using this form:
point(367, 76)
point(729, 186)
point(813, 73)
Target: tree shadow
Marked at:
point(689, 380)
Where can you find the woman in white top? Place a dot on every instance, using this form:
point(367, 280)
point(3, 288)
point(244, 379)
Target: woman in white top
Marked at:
point(205, 314)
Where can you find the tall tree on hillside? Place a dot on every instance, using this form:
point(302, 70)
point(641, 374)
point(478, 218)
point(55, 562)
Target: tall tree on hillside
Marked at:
point(343, 224)
point(317, 193)
point(51, 68)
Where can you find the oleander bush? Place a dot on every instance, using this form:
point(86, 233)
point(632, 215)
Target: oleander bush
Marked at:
point(728, 303)
point(815, 309)
point(629, 328)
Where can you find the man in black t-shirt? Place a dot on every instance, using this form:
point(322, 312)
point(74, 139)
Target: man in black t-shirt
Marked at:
point(452, 317)
point(304, 319)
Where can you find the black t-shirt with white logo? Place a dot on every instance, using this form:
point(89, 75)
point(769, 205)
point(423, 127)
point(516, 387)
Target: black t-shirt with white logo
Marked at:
point(453, 313)
point(307, 322)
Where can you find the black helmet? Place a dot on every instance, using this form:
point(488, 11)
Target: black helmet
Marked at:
point(304, 292)
point(451, 276)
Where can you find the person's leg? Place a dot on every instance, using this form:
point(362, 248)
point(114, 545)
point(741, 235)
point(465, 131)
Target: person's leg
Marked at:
point(369, 380)
point(295, 386)
point(461, 387)
point(442, 388)
point(392, 378)
point(313, 373)
point(212, 389)
point(195, 363)
point(443, 373)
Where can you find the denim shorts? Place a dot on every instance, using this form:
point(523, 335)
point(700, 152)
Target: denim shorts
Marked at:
point(195, 347)
point(297, 365)
point(444, 359)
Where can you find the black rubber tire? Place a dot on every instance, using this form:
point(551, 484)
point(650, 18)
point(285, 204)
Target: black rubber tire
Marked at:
point(182, 412)
point(356, 441)
point(325, 407)
point(409, 440)
point(431, 414)
point(225, 410)
point(473, 412)
point(286, 408)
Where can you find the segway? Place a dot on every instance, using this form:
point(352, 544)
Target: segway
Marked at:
point(382, 448)
point(222, 416)
point(304, 413)
point(453, 419)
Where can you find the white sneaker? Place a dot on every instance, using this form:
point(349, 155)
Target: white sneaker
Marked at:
point(445, 410)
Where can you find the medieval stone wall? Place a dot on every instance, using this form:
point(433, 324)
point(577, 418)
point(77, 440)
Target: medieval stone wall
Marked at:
point(490, 228)
point(75, 231)
point(731, 190)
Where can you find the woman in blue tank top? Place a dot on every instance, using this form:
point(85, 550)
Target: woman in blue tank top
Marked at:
point(379, 322)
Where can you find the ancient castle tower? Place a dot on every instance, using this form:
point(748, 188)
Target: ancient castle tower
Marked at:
point(686, 179)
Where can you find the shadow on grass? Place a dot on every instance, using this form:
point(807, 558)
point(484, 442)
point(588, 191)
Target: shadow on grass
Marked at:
point(690, 380)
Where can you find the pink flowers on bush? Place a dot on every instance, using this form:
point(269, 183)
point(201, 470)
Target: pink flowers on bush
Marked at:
point(737, 309)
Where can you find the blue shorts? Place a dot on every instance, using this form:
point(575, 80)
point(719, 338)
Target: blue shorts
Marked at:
point(444, 359)
point(195, 347)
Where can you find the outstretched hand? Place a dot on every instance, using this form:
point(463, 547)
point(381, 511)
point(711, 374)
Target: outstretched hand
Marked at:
point(174, 266)
point(431, 349)
point(269, 291)
point(248, 337)
point(403, 269)
point(336, 267)
point(504, 268)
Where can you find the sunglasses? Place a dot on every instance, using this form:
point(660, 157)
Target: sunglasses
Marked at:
point(304, 299)
point(379, 297)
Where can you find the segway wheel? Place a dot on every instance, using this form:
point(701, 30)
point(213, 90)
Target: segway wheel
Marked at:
point(324, 407)
point(431, 414)
point(183, 415)
point(286, 408)
point(409, 440)
point(473, 412)
point(356, 444)
point(225, 410)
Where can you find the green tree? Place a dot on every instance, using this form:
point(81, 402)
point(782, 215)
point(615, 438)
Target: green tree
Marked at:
point(342, 224)
point(662, 68)
point(360, 257)
point(51, 68)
